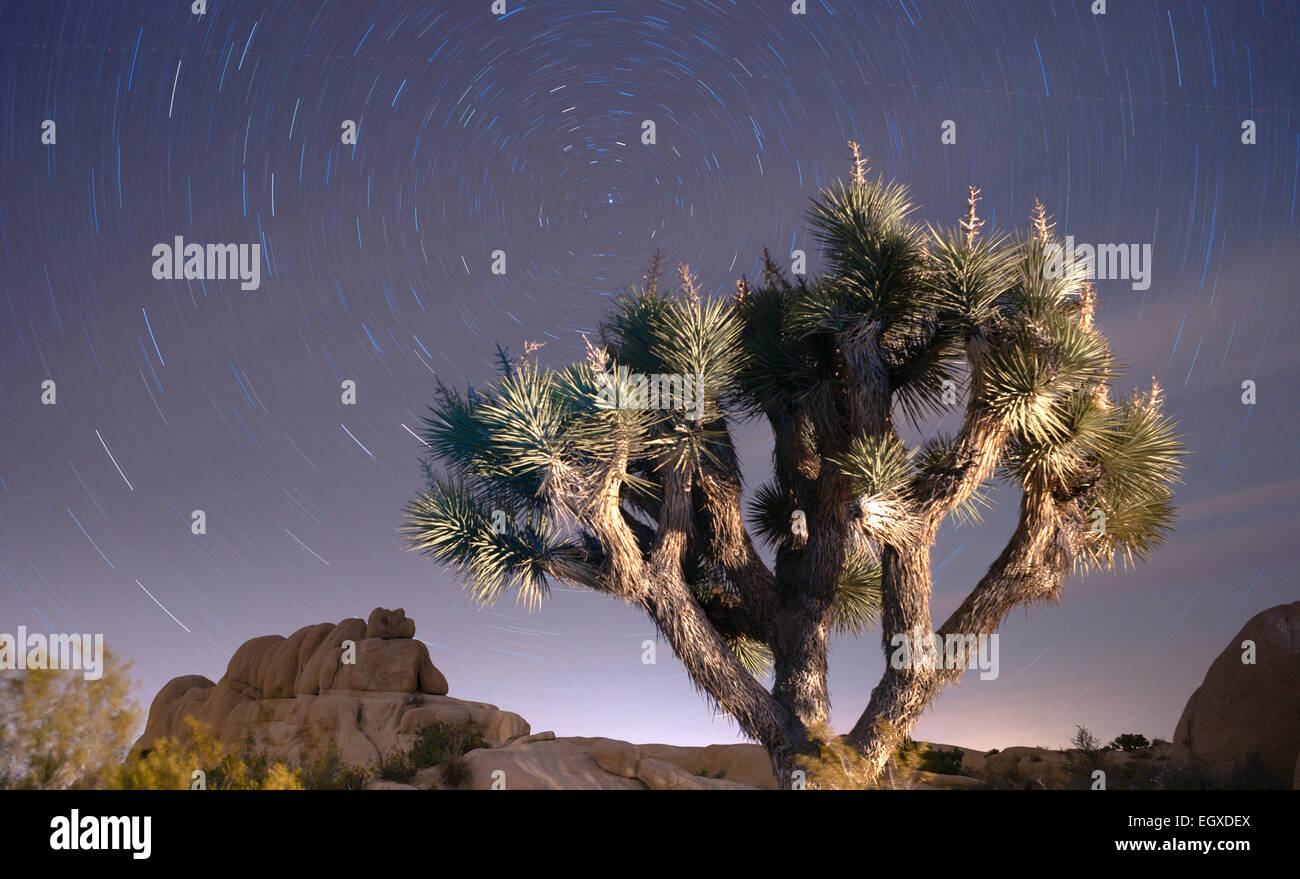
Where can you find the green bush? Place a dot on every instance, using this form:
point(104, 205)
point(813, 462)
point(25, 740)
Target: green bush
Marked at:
point(943, 761)
point(439, 743)
point(171, 762)
point(396, 766)
point(436, 744)
point(456, 774)
point(331, 773)
point(1130, 742)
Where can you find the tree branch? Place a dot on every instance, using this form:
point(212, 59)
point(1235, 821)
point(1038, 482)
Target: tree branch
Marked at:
point(600, 509)
point(975, 453)
point(1030, 568)
point(722, 527)
point(714, 669)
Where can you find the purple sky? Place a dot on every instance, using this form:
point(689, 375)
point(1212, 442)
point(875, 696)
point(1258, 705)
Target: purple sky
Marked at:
point(524, 134)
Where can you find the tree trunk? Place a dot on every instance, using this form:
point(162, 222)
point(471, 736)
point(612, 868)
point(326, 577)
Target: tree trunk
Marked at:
point(902, 695)
point(807, 581)
point(1031, 567)
point(715, 670)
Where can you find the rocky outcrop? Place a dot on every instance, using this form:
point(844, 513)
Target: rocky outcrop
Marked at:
point(364, 689)
point(549, 763)
point(361, 688)
point(1248, 714)
point(733, 765)
point(389, 624)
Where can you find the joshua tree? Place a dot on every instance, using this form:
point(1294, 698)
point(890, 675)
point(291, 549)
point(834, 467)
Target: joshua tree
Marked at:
point(568, 474)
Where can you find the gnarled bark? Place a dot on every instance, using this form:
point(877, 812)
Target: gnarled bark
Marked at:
point(1030, 568)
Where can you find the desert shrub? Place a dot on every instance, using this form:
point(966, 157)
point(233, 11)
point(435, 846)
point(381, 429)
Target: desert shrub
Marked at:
point(1085, 741)
point(1084, 757)
point(831, 763)
point(59, 731)
point(837, 765)
point(1130, 742)
point(330, 772)
point(437, 743)
point(944, 761)
point(395, 766)
point(171, 763)
point(456, 774)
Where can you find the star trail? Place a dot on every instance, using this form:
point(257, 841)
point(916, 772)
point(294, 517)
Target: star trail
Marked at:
point(385, 157)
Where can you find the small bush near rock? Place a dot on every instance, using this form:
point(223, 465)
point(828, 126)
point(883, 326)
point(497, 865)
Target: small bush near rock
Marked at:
point(456, 774)
point(438, 743)
point(943, 761)
point(331, 773)
point(1083, 758)
point(1085, 742)
point(1130, 742)
point(396, 766)
point(170, 765)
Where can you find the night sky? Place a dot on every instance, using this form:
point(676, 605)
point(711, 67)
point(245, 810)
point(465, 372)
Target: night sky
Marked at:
point(522, 133)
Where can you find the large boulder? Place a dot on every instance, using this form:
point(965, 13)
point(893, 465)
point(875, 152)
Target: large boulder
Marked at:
point(387, 666)
point(384, 623)
point(245, 670)
point(557, 764)
point(324, 661)
point(169, 704)
point(544, 762)
point(325, 687)
point(280, 677)
point(738, 765)
point(1031, 768)
point(1249, 713)
point(496, 726)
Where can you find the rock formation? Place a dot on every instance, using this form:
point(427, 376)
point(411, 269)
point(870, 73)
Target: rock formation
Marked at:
point(364, 688)
point(1250, 712)
point(360, 687)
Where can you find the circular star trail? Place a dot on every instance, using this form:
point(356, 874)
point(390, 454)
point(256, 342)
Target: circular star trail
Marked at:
point(525, 136)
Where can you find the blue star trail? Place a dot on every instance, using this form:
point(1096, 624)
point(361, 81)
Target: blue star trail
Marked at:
point(523, 135)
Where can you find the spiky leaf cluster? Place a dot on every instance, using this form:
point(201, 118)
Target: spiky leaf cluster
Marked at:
point(913, 315)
